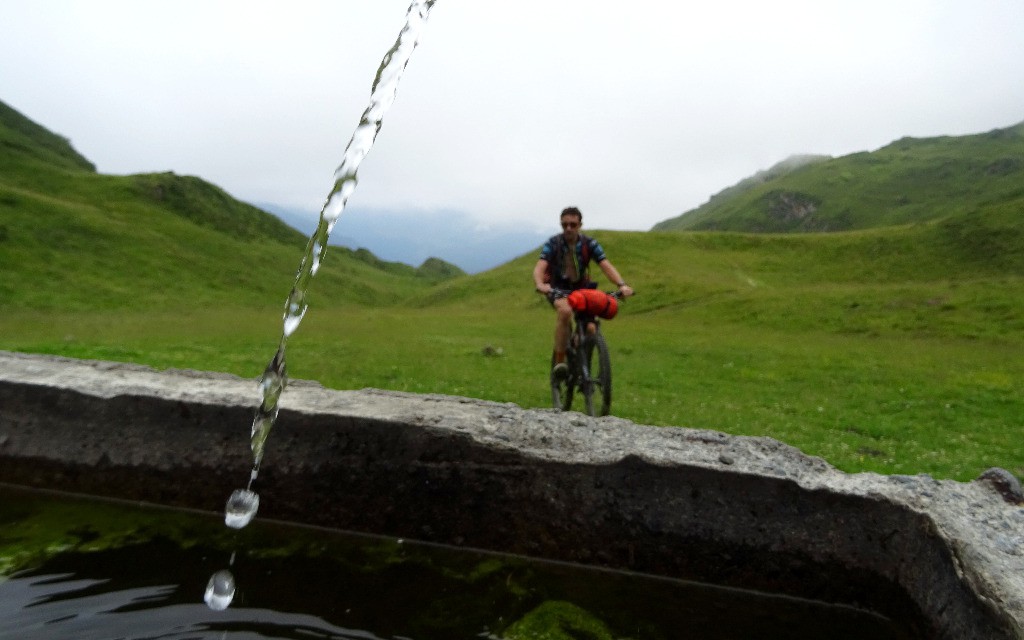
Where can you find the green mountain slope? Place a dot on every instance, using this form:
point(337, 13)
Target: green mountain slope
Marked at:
point(23, 141)
point(909, 181)
point(74, 239)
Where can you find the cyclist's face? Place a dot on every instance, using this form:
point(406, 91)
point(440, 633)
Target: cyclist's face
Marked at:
point(570, 227)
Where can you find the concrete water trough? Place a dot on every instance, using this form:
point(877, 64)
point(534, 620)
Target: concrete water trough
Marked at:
point(735, 511)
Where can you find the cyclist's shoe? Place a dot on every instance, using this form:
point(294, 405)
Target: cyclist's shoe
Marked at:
point(560, 371)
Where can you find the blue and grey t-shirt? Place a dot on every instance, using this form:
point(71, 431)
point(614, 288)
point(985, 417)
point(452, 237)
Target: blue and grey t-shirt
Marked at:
point(563, 263)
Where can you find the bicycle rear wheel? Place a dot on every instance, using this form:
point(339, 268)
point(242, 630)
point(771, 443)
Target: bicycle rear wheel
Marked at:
point(562, 388)
point(597, 389)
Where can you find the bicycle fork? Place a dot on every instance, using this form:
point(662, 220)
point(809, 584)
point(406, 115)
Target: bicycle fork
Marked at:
point(583, 382)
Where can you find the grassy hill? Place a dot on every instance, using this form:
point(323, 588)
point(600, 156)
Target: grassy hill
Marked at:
point(891, 349)
point(26, 144)
point(909, 181)
point(73, 239)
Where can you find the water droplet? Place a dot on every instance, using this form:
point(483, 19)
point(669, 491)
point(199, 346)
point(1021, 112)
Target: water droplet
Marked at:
point(271, 387)
point(293, 318)
point(317, 256)
point(220, 590)
point(241, 508)
point(261, 426)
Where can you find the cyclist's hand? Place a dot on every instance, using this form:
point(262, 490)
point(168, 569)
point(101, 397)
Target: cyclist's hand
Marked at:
point(626, 290)
point(544, 288)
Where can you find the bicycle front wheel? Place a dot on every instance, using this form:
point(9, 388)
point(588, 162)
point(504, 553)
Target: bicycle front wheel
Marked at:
point(597, 388)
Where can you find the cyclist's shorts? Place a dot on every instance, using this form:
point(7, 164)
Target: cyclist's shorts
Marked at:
point(555, 295)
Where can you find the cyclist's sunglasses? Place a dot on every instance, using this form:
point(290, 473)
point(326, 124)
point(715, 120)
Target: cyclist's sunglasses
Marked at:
point(570, 225)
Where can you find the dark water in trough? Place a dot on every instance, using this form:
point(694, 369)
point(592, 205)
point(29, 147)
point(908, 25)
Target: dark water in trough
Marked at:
point(90, 569)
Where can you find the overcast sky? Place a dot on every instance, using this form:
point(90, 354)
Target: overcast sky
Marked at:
point(633, 111)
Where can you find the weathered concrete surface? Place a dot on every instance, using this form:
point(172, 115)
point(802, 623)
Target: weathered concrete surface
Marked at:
point(750, 512)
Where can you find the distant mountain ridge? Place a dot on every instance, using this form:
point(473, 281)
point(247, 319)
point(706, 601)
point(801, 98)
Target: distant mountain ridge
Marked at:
point(776, 171)
point(414, 237)
point(911, 180)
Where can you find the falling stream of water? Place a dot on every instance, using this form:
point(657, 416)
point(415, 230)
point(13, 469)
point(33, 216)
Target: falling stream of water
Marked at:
point(243, 503)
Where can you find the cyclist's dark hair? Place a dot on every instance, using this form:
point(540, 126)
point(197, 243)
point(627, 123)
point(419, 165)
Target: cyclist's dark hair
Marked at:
point(571, 211)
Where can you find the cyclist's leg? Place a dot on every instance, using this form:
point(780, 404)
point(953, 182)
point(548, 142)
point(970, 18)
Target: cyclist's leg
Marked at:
point(563, 326)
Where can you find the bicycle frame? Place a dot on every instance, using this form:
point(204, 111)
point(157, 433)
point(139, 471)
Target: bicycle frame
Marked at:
point(582, 346)
point(578, 335)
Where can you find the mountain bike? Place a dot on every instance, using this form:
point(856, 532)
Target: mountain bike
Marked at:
point(590, 367)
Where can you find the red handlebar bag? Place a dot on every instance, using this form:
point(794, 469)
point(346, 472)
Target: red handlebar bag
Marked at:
point(594, 302)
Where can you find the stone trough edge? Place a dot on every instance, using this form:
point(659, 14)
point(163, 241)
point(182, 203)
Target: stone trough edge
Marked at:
point(985, 532)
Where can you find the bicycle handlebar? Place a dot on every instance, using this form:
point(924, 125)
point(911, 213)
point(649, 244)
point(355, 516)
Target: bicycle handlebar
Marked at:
point(561, 293)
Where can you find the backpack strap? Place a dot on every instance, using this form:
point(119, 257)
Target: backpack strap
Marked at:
point(584, 270)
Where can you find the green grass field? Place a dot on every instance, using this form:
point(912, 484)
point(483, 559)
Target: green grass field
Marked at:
point(891, 401)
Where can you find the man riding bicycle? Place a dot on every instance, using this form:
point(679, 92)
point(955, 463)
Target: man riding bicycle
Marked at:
point(564, 266)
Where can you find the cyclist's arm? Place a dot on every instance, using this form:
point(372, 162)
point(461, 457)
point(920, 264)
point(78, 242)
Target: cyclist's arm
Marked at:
point(613, 274)
point(539, 270)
